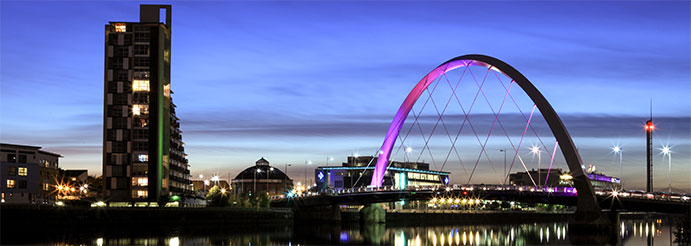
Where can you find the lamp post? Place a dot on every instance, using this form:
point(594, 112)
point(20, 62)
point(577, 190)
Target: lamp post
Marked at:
point(504, 180)
point(666, 150)
point(306, 163)
point(254, 190)
point(271, 169)
point(619, 150)
point(536, 151)
point(408, 150)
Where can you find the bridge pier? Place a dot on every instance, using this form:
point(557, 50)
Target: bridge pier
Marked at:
point(372, 214)
point(603, 229)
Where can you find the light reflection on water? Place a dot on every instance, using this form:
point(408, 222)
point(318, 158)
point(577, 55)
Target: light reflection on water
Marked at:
point(631, 232)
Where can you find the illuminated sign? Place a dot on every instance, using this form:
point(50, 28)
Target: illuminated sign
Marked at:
point(320, 175)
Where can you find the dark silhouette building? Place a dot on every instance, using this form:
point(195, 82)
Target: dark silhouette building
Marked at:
point(144, 158)
point(262, 177)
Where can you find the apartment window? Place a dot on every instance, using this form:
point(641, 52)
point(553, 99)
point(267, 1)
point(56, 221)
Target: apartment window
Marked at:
point(140, 181)
point(142, 37)
point(143, 123)
point(141, 74)
point(140, 194)
point(11, 171)
point(141, 28)
point(140, 109)
point(141, 61)
point(11, 183)
point(143, 158)
point(166, 90)
point(22, 158)
point(141, 50)
point(115, 63)
point(123, 51)
point(120, 27)
point(140, 85)
point(22, 171)
point(123, 75)
point(46, 186)
point(22, 184)
point(12, 158)
point(140, 146)
point(140, 98)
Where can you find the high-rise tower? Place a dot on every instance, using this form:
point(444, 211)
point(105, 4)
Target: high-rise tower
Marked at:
point(143, 153)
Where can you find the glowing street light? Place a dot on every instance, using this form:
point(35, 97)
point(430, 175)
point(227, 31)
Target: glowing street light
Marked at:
point(201, 176)
point(619, 150)
point(535, 150)
point(666, 150)
point(306, 163)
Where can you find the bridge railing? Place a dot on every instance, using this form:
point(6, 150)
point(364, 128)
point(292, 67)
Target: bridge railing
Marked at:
point(557, 190)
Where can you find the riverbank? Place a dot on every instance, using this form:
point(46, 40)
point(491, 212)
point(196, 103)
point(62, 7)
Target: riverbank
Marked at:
point(21, 224)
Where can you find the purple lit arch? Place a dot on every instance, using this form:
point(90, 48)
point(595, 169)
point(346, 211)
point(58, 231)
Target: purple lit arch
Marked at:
point(587, 204)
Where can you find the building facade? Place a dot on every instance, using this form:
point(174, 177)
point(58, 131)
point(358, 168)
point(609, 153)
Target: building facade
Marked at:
point(28, 174)
point(262, 177)
point(143, 152)
point(557, 177)
point(357, 172)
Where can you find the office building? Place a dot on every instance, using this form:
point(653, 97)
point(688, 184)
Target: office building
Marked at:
point(28, 174)
point(357, 172)
point(143, 153)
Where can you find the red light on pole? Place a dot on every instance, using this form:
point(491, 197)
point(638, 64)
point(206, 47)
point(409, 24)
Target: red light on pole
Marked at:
point(649, 126)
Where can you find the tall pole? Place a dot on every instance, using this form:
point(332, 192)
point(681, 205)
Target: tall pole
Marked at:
point(504, 179)
point(669, 157)
point(621, 168)
point(539, 167)
point(649, 152)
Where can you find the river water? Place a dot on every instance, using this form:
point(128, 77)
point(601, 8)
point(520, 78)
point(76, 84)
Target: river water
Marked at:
point(648, 231)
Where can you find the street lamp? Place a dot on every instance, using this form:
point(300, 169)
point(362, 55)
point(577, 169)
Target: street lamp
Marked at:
point(666, 150)
point(504, 179)
point(306, 163)
point(271, 169)
point(408, 150)
point(254, 191)
point(619, 150)
point(535, 150)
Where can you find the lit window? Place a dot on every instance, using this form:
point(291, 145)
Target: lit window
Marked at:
point(120, 27)
point(139, 109)
point(142, 193)
point(140, 85)
point(143, 158)
point(10, 184)
point(140, 181)
point(46, 186)
point(166, 90)
point(22, 171)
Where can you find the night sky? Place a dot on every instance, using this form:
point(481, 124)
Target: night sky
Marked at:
point(297, 81)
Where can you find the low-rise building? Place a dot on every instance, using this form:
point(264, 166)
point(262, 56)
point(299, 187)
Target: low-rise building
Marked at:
point(28, 174)
point(357, 172)
point(261, 177)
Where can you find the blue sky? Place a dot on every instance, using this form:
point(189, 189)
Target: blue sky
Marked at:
point(296, 81)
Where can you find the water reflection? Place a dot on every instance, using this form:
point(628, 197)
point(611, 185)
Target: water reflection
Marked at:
point(651, 231)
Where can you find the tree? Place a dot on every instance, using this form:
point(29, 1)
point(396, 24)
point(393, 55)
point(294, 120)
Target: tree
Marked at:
point(264, 201)
point(217, 197)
